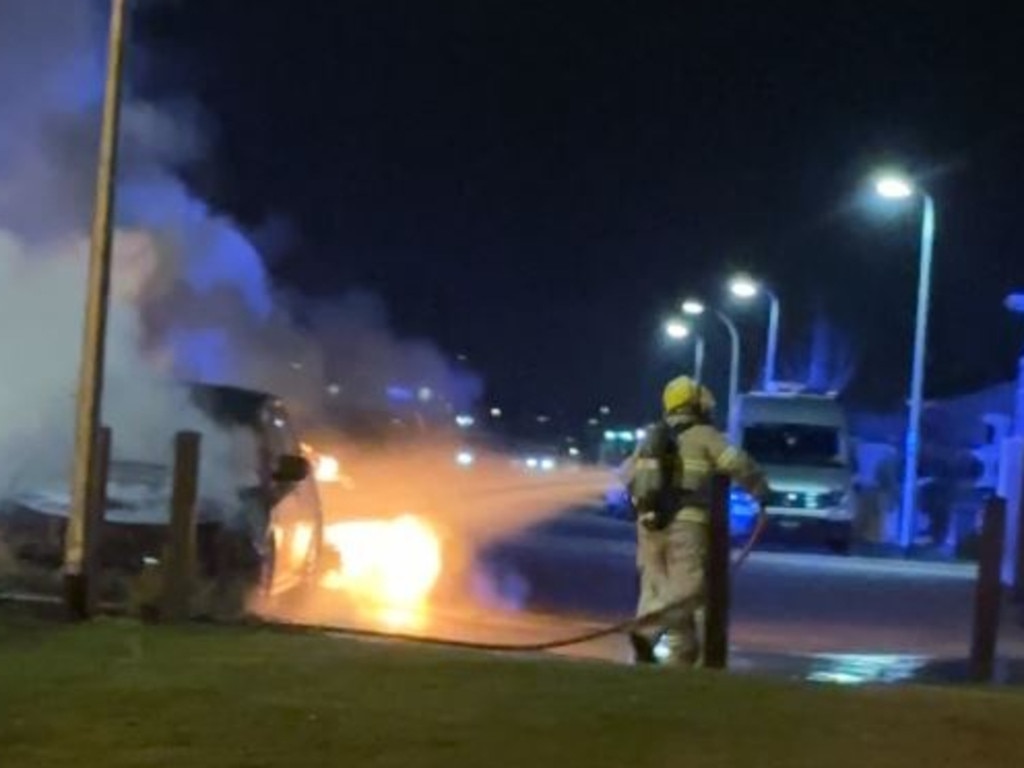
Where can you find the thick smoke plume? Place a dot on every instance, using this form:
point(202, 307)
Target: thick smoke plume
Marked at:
point(192, 299)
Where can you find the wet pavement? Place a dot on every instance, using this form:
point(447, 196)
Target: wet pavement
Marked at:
point(517, 633)
point(799, 614)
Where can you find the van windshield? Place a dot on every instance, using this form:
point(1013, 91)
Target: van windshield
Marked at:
point(801, 444)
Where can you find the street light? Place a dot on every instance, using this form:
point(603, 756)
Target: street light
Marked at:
point(896, 187)
point(893, 188)
point(77, 545)
point(695, 308)
point(678, 330)
point(745, 288)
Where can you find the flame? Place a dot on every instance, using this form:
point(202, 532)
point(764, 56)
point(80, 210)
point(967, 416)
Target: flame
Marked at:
point(328, 469)
point(388, 567)
point(300, 542)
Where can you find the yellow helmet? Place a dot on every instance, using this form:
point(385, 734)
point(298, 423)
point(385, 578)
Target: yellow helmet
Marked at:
point(681, 393)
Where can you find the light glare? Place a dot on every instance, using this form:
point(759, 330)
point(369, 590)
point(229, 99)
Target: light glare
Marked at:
point(693, 307)
point(894, 188)
point(676, 329)
point(744, 287)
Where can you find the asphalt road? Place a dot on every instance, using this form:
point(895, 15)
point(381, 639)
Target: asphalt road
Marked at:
point(801, 614)
point(783, 602)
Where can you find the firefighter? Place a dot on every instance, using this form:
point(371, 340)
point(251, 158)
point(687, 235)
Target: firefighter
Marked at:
point(681, 453)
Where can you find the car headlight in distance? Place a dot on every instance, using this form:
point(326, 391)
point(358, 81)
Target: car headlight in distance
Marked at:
point(465, 458)
point(547, 464)
point(532, 463)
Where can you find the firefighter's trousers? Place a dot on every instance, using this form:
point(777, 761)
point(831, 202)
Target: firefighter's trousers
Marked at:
point(672, 570)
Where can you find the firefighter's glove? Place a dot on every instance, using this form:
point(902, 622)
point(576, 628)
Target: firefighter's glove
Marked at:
point(652, 521)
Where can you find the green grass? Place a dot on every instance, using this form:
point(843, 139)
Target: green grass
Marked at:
point(119, 694)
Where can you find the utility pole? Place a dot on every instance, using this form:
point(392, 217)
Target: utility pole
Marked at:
point(90, 379)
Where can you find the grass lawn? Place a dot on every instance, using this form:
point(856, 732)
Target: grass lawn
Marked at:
point(119, 694)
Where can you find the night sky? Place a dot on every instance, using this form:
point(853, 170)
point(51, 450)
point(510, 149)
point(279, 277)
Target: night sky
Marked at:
point(536, 185)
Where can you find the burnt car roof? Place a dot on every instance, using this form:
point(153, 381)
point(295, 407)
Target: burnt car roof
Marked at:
point(230, 406)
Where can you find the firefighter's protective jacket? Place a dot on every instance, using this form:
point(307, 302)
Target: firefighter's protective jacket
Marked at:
point(704, 451)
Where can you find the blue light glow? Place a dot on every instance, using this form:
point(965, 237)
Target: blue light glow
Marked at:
point(399, 394)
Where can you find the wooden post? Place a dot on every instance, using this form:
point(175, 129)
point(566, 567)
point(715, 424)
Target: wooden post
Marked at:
point(716, 627)
point(96, 513)
point(94, 327)
point(1018, 573)
point(988, 592)
point(178, 565)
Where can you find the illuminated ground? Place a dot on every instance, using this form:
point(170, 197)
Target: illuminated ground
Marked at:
point(844, 618)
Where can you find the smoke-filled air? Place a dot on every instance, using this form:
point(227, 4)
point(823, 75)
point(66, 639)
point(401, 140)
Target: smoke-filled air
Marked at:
point(192, 301)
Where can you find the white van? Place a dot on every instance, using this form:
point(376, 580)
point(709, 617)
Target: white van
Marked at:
point(802, 442)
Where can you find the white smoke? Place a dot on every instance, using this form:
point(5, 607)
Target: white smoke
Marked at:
point(191, 296)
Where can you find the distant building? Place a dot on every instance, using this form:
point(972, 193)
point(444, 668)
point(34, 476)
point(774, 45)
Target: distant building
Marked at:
point(975, 424)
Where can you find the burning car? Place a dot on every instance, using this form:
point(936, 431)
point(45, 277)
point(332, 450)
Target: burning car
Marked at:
point(269, 530)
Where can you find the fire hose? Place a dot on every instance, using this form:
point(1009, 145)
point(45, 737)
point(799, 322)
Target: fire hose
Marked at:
point(622, 627)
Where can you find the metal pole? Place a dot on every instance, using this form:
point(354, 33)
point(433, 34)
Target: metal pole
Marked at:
point(90, 385)
point(913, 438)
point(772, 348)
point(734, 375)
point(698, 358)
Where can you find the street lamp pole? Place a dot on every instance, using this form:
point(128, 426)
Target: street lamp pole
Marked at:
point(90, 384)
point(772, 346)
point(698, 358)
point(745, 288)
point(696, 308)
point(917, 377)
point(734, 373)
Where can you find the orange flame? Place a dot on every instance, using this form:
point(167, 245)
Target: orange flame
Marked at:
point(328, 470)
point(388, 567)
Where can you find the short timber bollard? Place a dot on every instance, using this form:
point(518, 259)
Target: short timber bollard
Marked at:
point(1018, 573)
point(96, 510)
point(988, 592)
point(178, 565)
point(716, 622)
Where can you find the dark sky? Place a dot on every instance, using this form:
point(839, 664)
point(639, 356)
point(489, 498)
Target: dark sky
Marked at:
point(536, 185)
